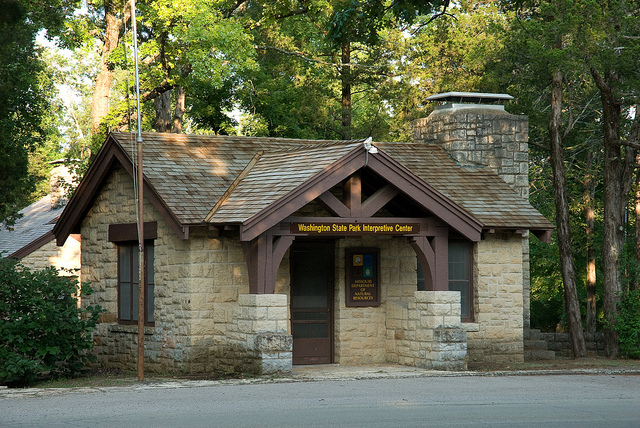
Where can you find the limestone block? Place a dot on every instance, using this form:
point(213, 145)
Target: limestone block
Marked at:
point(264, 326)
point(278, 313)
point(254, 313)
point(270, 300)
point(450, 335)
point(273, 343)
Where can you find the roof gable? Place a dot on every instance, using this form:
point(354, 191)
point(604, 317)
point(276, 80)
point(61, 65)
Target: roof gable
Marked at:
point(257, 207)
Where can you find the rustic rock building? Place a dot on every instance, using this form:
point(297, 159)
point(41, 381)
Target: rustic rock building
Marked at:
point(263, 253)
point(31, 238)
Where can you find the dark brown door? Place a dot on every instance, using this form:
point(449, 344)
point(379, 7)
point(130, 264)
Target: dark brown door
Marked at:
point(311, 302)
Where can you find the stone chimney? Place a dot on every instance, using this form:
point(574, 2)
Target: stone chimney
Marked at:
point(60, 179)
point(474, 130)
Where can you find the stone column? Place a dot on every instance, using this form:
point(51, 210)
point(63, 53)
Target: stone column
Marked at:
point(262, 321)
point(429, 333)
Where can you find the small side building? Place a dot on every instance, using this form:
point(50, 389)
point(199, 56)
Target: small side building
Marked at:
point(31, 239)
point(263, 253)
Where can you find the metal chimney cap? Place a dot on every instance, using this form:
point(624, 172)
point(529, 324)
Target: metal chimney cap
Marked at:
point(470, 97)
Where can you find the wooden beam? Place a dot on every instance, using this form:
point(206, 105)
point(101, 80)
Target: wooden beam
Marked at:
point(263, 256)
point(379, 199)
point(426, 258)
point(334, 205)
point(353, 195)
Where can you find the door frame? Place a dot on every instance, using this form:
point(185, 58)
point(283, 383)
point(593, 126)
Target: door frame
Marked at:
point(331, 284)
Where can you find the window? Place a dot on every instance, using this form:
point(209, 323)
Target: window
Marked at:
point(460, 276)
point(128, 283)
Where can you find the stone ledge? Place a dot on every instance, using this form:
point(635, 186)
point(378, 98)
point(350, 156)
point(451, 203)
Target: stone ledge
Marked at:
point(131, 329)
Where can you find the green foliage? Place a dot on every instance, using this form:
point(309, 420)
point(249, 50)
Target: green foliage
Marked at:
point(43, 331)
point(363, 20)
point(628, 324)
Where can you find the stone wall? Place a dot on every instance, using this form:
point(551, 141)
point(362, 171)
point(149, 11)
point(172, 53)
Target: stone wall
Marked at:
point(361, 333)
point(198, 282)
point(497, 334)
point(65, 258)
point(561, 344)
point(488, 137)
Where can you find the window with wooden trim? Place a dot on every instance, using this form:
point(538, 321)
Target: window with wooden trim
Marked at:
point(461, 276)
point(128, 271)
point(460, 256)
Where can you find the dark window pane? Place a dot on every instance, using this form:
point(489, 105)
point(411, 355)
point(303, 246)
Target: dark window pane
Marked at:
point(459, 274)
point(463, 288)
point(421, 283)
point(128, 268)
point(125, 301)
point(125, 264)
point(150, 264)
point(150, 302)
point(310, 316)
point(319, 331)
point(300, 331)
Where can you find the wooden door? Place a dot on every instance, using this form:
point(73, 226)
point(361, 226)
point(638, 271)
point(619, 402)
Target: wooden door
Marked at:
point(312, 302)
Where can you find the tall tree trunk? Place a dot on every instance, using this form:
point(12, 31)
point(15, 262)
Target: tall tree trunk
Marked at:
point(162, 105)
point(636, 282)
point(618, 169)
point(589, 214)
point(179, 110)
point(345, 77)
point(114, 27)
point(562, 220)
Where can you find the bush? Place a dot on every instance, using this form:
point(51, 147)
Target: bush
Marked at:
point(42, 331)
point(628, 324)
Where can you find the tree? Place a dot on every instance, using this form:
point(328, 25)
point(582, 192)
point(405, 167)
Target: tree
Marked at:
point(24, 98)
point(544, 53)
point(611, 49)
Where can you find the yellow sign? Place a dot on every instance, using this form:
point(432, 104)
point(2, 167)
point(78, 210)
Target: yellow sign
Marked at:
point(355, 228)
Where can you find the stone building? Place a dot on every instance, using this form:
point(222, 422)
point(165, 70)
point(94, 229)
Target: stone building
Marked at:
point(31, 238)
point(263, 253)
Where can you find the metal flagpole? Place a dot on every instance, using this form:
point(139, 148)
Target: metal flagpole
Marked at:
point(140, 178)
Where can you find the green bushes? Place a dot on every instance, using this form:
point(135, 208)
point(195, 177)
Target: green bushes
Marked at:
point(628, 324)
point(42, 331)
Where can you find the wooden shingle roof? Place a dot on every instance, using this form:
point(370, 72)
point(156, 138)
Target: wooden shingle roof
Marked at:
point(200, 179)
point(477, 189)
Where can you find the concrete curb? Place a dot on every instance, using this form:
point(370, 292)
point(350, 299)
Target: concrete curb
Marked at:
point(308, 374)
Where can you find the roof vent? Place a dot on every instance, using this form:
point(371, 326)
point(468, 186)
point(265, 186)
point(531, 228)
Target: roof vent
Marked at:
point(469, 100)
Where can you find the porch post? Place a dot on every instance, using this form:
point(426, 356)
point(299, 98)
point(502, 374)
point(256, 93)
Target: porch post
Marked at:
point(263, 256)
point(433, 255)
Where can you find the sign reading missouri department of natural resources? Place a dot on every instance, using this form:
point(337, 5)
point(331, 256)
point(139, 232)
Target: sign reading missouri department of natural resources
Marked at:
point(368, 228)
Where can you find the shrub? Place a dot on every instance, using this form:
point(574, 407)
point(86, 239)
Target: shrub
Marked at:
point(628, 324)
point(42, 330)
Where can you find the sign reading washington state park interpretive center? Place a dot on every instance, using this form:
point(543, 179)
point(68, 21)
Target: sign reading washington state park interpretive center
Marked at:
point(362, 268)
point(329, 228)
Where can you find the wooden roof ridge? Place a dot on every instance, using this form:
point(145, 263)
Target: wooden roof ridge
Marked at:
point(234, 185)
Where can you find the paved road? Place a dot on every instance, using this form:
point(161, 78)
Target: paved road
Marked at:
point(522, 401)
